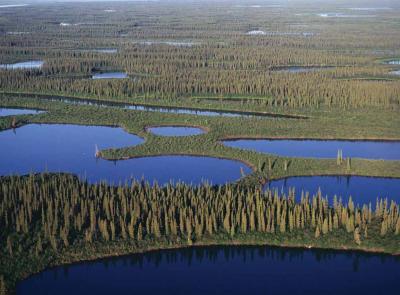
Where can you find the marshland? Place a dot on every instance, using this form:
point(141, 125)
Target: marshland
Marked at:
point(221, 142)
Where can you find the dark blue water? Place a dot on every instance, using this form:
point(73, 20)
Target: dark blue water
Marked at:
point(110, 75)
point(14, 112)
point(175, 131)
point(225, 270)
point(320, 148)
point(71, 148)
point(26, 65)
point(362, 189)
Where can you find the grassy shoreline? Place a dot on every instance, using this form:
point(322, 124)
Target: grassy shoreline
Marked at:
point(209, 144)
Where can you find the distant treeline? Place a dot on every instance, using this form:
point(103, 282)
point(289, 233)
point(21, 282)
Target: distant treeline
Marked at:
point(209, 55)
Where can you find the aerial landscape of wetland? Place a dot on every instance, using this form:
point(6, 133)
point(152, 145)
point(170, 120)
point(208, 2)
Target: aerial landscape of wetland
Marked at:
point(199, 147)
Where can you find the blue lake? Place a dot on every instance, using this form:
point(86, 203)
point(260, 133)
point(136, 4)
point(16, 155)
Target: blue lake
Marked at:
point(321, 149)
point(225, 270)
point(175, 131)
point(26, 65)
point(110, 75)
point(14, 112)
point(71, 148)
point(362, 189)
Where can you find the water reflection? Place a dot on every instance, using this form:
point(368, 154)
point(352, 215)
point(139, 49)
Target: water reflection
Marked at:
point(387, 150)
point(225, 270)
point(363, 190)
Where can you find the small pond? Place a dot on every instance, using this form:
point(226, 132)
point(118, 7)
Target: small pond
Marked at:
point(393, 62)
point(386, 150)
point(169, 43)
point(71, 148)
point(110, 75)
point(100, 50)
point(15, 111)
point(12, 5)
point(26, 65)
point(344, 15)
point(175, 130)
point(300, 69)
point(362, 189)
point(224, 270)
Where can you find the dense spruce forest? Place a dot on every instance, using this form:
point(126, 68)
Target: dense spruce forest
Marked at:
point(55, 218)
point(207, 54)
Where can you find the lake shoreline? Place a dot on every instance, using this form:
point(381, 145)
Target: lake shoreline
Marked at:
point(208, 244)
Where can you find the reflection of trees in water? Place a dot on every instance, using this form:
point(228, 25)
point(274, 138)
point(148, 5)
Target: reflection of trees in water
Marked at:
point(246, 254)
point(220, 254)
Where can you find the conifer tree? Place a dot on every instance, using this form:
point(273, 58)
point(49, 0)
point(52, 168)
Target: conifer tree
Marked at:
point(357, 236)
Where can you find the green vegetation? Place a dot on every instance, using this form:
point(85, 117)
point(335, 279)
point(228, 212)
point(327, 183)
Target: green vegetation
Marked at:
point(57, 219)
point(354, 125)
point(210, 55)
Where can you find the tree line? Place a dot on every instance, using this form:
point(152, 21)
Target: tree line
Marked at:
point(56, 211)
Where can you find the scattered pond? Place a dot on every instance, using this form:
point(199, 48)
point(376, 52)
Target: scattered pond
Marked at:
point(71, 148)
point(26, 65)
point(395, 72)
point(300, 69)
point(14, 112)
point(224, 270)
point(386, 150)
point(256, 33)
point(101, 50)
point(362, 189)
point(12, 5)
point(175, 130)
point(110, 75)
point(393, 62)
point(264, 33)
point(343, 15)
point(170, 43)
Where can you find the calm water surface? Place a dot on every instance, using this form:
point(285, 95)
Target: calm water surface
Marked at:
point(26, 65)
point(299, 69)
point(320, 148)
point(175, 131)
point(103, 50)
point(362, 189)
point(393, 62)
point(225, 270)
point(110, 75)
point(71, 148)
point(14, 112)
